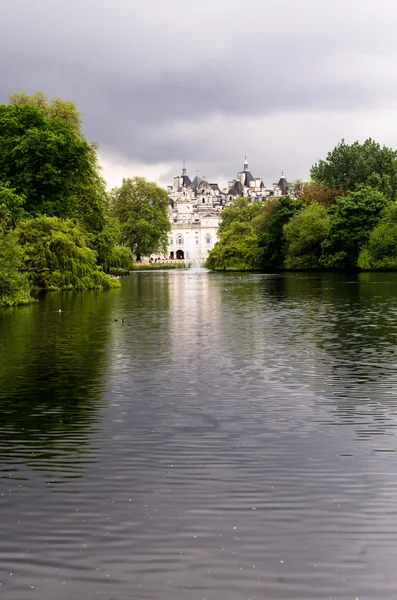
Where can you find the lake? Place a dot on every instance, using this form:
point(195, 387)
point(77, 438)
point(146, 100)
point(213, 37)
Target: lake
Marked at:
point(234, 438)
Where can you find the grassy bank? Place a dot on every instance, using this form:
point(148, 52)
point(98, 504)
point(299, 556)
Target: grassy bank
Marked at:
point(157, 266)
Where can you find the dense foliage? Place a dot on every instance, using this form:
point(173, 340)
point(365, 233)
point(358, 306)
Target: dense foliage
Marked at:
point(321, 193)
point(142, 209)
point(57, 256)
point(14, 285)
point(304, 235)
point(349, 166)
point(56, 229)
point(60, 229)
point(272, 243)
point(344, 218)
point(42, 159)
point(352, 219)
point(237, 248)
point(380, 252)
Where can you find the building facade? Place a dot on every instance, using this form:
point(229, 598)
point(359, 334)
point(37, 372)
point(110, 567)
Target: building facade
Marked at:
point(195, 210)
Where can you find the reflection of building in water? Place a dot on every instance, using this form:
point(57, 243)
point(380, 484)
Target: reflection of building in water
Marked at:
point(195, 313)
point(196, 206)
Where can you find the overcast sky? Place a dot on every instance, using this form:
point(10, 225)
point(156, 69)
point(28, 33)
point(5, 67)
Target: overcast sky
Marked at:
point(162, 81)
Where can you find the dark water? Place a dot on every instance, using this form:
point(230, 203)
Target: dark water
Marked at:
point(234, 439)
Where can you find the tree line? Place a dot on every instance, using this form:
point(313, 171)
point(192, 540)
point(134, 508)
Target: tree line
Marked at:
point(59, 227)
point(345, 217)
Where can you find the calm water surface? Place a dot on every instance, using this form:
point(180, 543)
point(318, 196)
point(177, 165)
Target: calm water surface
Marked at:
point(233, 439)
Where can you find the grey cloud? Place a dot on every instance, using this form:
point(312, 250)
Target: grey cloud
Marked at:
point(147, 74)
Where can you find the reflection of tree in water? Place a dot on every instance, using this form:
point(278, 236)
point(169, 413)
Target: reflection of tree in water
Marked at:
point(349, 323)
point(51, 383)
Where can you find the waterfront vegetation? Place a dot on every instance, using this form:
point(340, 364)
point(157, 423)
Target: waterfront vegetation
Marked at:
point(61, 230)
point(158, 266)
point(59, 227)
point(345, 217)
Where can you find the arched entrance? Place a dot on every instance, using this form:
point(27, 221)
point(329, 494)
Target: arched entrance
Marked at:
point(180, 254)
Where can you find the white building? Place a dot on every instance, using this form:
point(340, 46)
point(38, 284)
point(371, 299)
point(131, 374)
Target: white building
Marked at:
point(196, 206)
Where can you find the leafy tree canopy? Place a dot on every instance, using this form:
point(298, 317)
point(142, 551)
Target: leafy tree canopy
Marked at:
point(54, 108)
point(277, 213)
point(304, 234)
point(352, 219)
point(142, 208)
point(121, 258)
point(14, 286)
point(236, 249)
point(321, 193)
point(57, 256)
point(380, 252)
point(104, 241)
point(43, 160)
point(349, 166)
point(11, 206)
point(241, 211)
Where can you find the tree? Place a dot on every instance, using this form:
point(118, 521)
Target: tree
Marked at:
point(66, 110)
point(352, 219)
point(304, 234)
point(349, 166)
point(272, 245)
point(295, 188)
point(236, 249)
point(121, 258)
point(11, 206)
point(14, 285)
point(241, 211)
point(56, 255)
point(43, 160)
point(104, 241)
point(321, 193)
point(142, 208)
point(380, 252)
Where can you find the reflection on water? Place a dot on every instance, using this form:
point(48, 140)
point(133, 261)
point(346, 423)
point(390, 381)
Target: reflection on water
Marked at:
point(233, 438)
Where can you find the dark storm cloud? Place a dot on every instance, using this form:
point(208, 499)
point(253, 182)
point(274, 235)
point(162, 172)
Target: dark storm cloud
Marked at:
point(158, 81)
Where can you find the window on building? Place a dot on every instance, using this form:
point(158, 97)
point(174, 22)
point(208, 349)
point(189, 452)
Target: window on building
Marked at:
point(171, 241)
point(208, 239)
point(203, 200)
point(179, 240)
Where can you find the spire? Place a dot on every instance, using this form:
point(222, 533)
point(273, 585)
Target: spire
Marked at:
point(245, 164)
point(184, 168)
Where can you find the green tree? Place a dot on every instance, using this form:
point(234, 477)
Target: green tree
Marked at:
point(57, 256)
point(380, 252)
point(66, 110)
point(241, 211)
point(321, 193)
point(142, 208)
point(295, 187)
point(121, 258)
point(43, 160)
point(304, 234)
point(277, 213)
point(105, 240)
point(349, 166)
point(11, 206)
point(14, 285)
point(236, 249)
point(352, 219)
